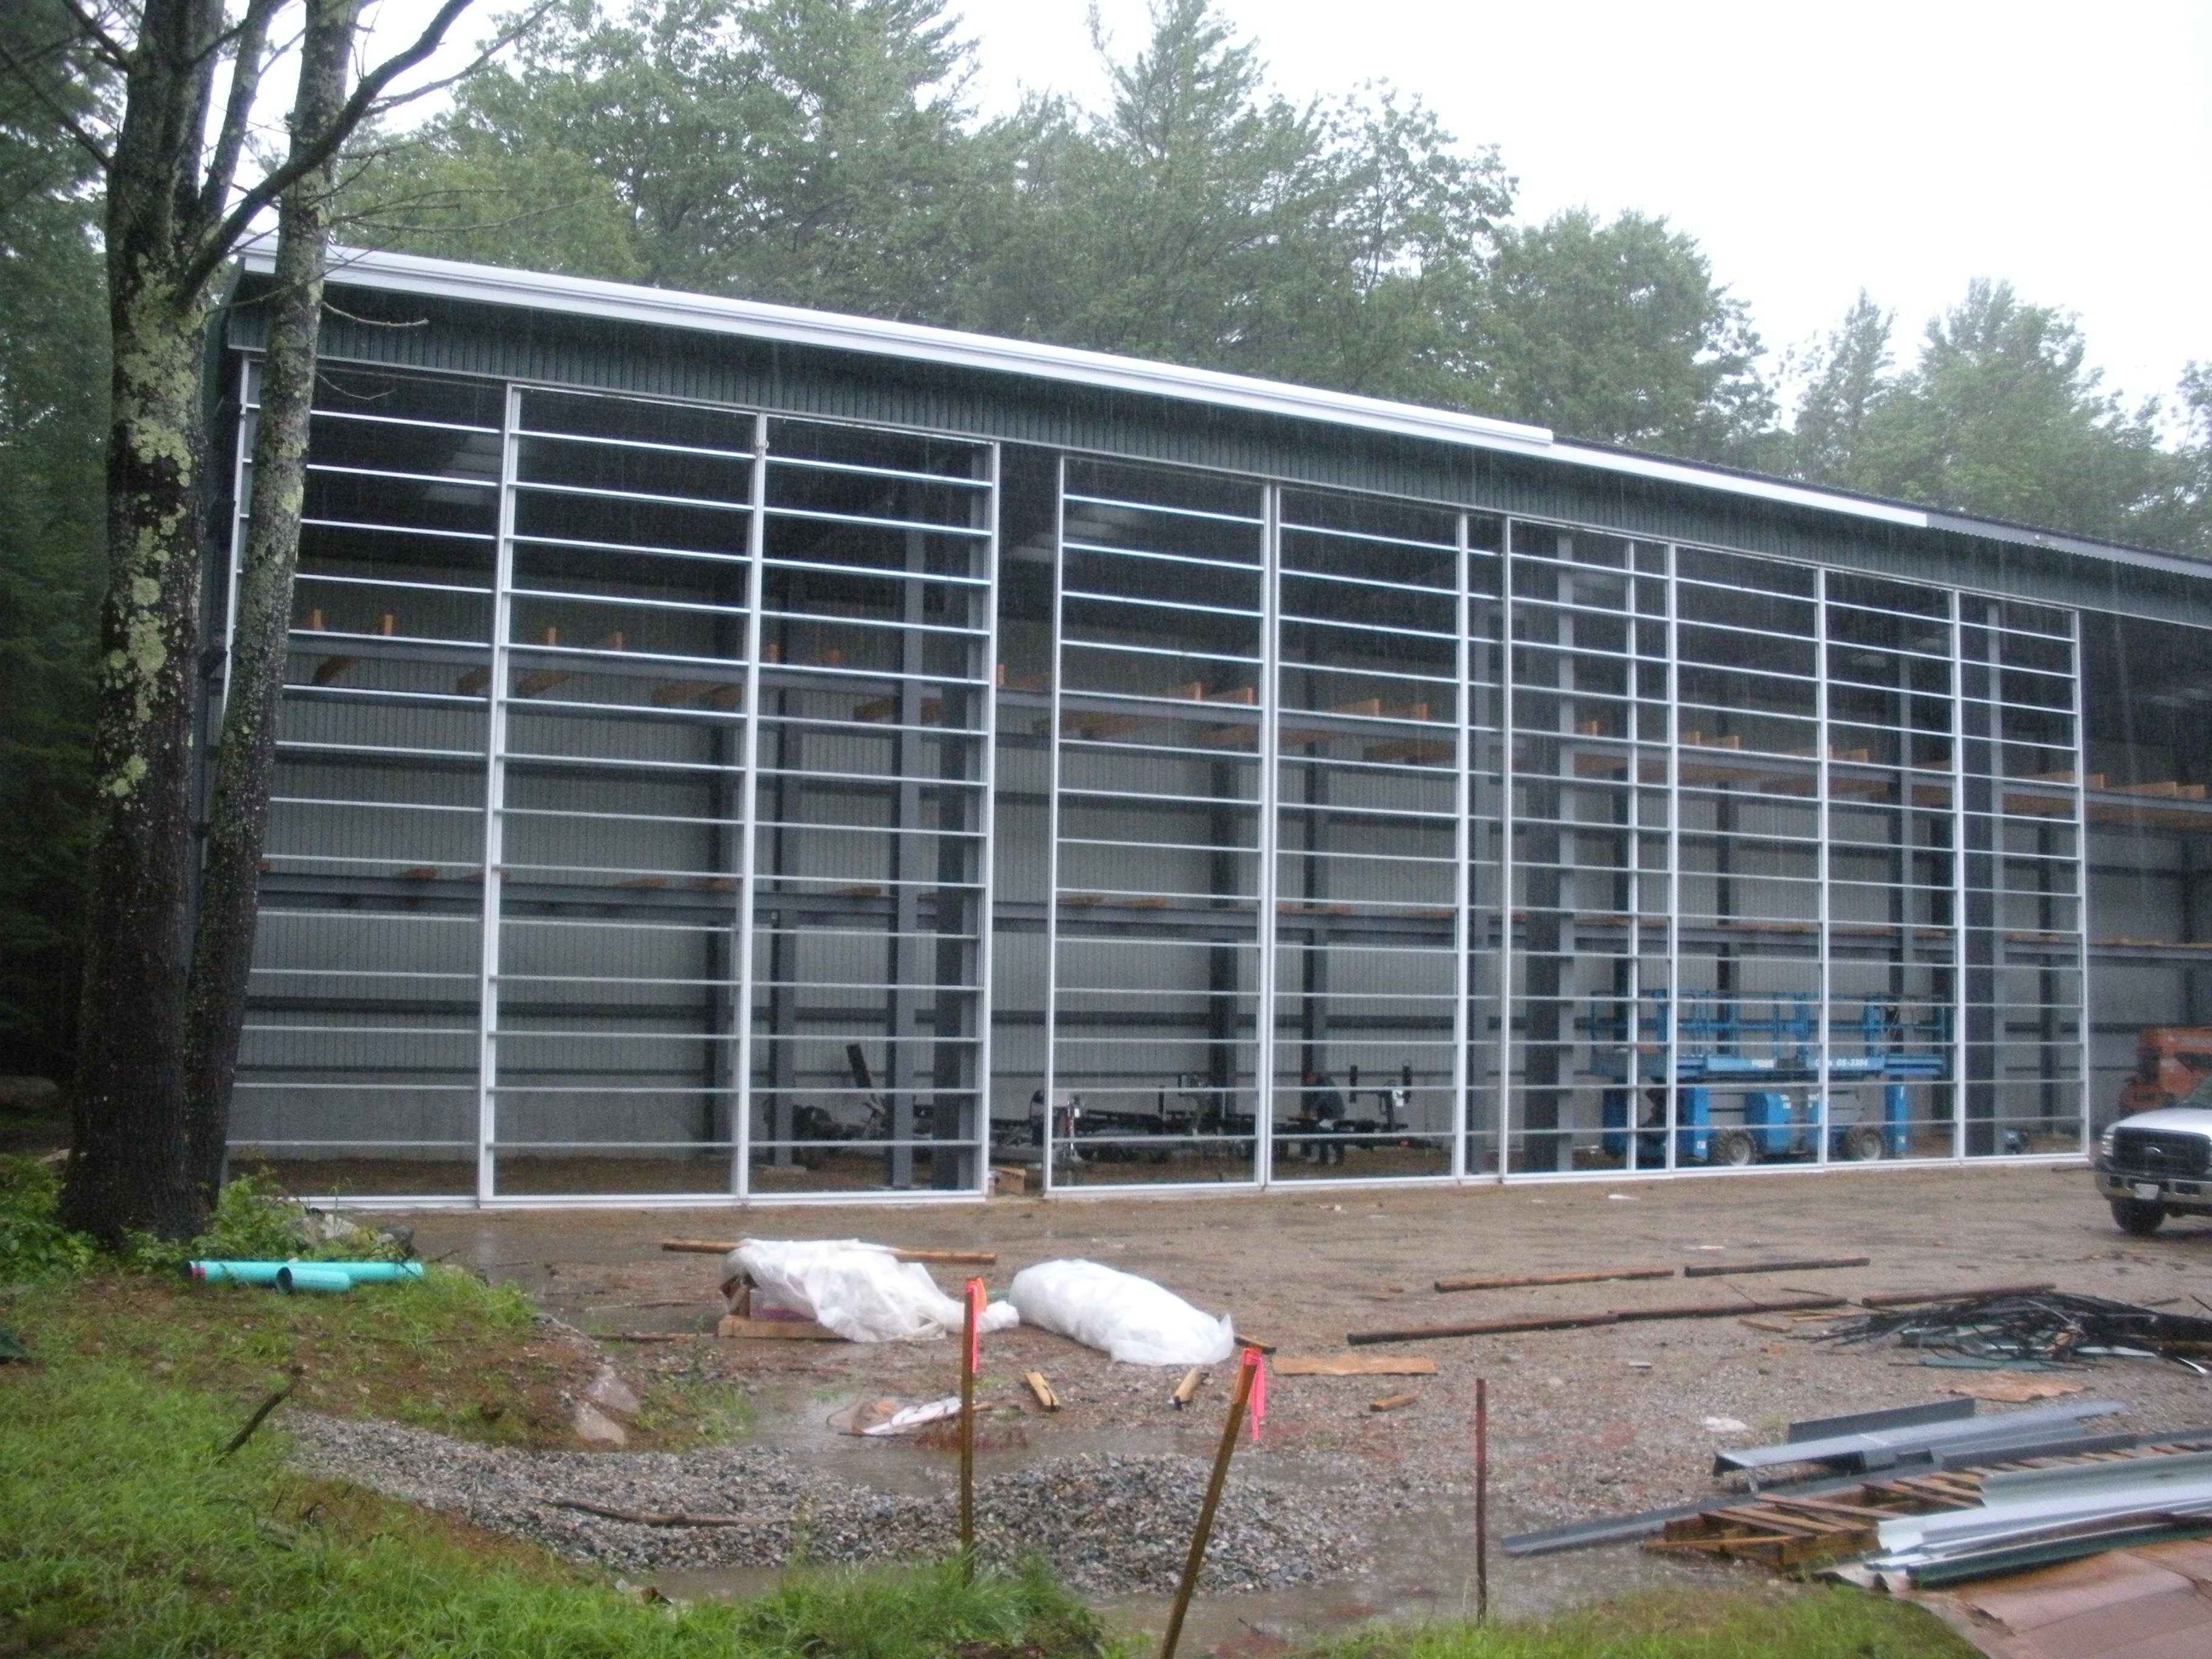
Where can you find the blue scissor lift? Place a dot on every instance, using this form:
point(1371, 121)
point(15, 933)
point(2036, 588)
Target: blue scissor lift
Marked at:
point(1706, 1043)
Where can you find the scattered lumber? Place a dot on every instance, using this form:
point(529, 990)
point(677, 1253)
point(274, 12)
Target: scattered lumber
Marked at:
point(1041, 1390)
point(1484, 1327)
point(1724, 1309)
point(1719, 1269)
point(1908, 1299)
point(723, 1247)
point(1355, 1365)
point(1391, 1402)
point(1187, 1388)
point(1575, 1322)
point(1517, 1281)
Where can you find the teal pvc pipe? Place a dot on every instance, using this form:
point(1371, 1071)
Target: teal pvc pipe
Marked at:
point(266, 1273)
point(313, 1276)
point(241, 1272)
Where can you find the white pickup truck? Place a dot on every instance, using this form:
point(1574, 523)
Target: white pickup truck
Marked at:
point(2158, 1163)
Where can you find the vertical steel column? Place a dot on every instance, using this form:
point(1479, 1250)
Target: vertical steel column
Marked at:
point(743, 928)
point(1463, 750)
point(1824, 933)
point(495, 809)
point(1670, 1051)
point(1959, 1007)
point(1058, 677)
point(982, 1068)
point(1508, 958)
point(249, 405)
point(1269, 835)
point(2081, 1028)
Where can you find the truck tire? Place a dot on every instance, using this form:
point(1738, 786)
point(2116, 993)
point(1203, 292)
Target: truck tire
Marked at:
point(2134, 1216)
point(1734, 1147)
point(1862, 1143)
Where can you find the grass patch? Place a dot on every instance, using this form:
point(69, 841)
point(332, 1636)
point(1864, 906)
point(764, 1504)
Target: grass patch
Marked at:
point(1771, 1621)
point(121, 1534)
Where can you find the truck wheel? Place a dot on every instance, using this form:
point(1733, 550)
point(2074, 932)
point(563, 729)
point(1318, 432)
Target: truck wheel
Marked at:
point(1862, 1143)
point(2136, 1217)
point(1735, 1148)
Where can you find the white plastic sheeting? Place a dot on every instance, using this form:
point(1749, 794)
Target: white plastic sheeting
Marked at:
point(861, 1291)
point(1132, 1319)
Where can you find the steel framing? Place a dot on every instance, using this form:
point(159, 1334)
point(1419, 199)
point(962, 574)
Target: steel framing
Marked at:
point(1486, 1132)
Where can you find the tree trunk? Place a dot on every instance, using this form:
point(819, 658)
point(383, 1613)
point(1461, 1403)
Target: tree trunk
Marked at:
point(245, 758)
point(127, 1167)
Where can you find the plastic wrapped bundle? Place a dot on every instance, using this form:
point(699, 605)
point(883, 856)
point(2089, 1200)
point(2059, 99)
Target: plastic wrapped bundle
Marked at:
point(861, 1291)
point(1132, 1319)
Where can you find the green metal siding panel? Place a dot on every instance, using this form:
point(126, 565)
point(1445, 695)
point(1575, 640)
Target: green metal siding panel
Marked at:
point(402, 330)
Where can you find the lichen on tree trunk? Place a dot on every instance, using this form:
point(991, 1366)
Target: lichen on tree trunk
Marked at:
point(127, 1169)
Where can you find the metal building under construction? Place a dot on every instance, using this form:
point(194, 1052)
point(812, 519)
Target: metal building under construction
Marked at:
point(734, 752)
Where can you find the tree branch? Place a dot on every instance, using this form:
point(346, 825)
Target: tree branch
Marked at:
point(55, 107)
point(310, 153)
point(246, 66)
point(104, 44)
point(519, 26)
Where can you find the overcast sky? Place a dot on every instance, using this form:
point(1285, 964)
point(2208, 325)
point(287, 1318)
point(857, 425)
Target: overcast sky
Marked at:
point(1904, 146)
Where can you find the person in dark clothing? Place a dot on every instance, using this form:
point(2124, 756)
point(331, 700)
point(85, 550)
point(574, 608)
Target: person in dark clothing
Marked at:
point(1325, 1106)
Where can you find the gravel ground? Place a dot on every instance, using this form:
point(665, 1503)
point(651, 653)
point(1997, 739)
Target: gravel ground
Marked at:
point(1109, 1524)
point(1584, 1423)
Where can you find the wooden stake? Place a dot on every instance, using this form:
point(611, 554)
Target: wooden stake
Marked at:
point(1247, 1368)
point(1187, 1387)
point(972, 1296)
point(1481, 1500)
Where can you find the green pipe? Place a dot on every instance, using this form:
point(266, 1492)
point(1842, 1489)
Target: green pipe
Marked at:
point(266, 1273)
point(313, 1276)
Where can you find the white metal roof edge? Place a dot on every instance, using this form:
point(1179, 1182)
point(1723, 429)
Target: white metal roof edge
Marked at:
point(413, 273)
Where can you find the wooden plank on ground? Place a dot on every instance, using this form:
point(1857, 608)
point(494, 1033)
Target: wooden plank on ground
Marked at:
point(1722, 1269)
point(723, 1246)
point(1355, 1364)
point(1517, 1281)
point(774, 1330)
point(1909, 1299)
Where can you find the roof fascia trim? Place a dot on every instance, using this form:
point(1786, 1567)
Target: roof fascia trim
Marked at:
point(1766, 489)
point(794, 325)
point(791, 324)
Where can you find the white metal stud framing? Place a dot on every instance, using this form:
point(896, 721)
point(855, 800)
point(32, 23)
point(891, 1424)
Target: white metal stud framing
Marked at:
point(1463, 757)
point(745, 929)
point(1056, 679)
point(1961, 1021)
point(494, 808)
point(987, 805)
point(1266, 1016)
point(2082, 1033)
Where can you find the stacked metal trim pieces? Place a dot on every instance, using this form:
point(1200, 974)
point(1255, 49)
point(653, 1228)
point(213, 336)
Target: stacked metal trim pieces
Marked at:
point(2049, 1327)
point(2033, 1517)
point(1874, 1440)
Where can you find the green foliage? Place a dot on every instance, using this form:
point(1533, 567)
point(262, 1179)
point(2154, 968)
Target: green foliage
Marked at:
point(53, 389)
point(33, 1246)
point(1777, 1622)
point(1618, 332)
point(127, 1538)
point(929, 1613)
point(2000, 415)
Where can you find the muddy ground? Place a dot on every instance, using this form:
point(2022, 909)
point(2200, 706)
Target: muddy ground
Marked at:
point(1584, 1422)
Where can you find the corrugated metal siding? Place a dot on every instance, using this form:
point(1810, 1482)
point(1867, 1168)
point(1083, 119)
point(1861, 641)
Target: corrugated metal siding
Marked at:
point(412, 332)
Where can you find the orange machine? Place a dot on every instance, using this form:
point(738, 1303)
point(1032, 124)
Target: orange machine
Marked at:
point(2170, 1062)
